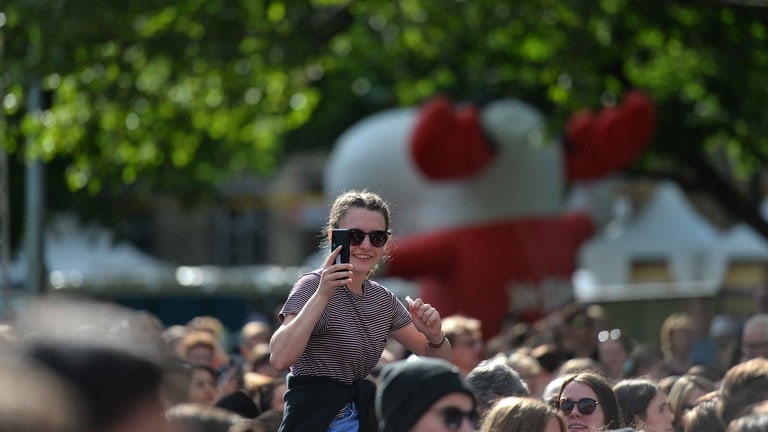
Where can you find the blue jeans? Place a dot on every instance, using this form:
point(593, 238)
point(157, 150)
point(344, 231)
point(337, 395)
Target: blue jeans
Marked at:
point(348, 422)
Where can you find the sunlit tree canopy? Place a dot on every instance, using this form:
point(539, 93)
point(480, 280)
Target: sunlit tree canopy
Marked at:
point(178, 96)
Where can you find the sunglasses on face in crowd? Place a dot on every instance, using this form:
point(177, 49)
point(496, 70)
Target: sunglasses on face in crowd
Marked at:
point(378, 238)
point(454, 417)
point(585, 406)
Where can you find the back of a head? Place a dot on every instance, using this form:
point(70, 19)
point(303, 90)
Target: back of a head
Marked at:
point(492, 380)
point(239, 402)
point(682, 388)
point(703, 417)
point(254, 332)
point(634, 395)
point(455, 325)
point(190, 417)
point(271, 419)
point(32, 399)
point(582, 364)
point(743, 384)
point(753, 419)
point(248, 425)
point(110, 382)
point(105, 352)
point(408, 388)
point(521, 414)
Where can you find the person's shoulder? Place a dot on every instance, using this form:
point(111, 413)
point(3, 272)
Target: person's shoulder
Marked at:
point(378, 288)
point(307, 281)
point(312, 274)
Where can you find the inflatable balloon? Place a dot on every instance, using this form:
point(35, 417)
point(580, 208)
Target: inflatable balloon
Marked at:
point(478, 196)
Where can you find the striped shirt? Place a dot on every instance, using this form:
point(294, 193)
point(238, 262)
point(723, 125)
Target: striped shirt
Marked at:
point(352, 331)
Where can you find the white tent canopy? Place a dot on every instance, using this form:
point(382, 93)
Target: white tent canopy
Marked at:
point(669, 230)
point(75, 254)
point(88, 258)
point(742, 243)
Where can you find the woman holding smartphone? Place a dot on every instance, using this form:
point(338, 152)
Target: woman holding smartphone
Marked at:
point(336, 323)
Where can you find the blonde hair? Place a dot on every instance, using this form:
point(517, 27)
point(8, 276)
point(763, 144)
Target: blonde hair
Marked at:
point(455, 325)
point(525, 364)
point(680, 390)
point(674, 322)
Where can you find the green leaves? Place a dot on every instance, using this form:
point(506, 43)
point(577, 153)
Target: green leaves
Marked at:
point(146, 92)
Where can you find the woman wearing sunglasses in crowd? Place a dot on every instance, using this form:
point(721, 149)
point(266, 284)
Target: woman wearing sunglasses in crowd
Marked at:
point(336, 323)
point(589, 403)
point(523, 414)
point(644, 405)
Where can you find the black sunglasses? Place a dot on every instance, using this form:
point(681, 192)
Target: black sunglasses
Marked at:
point(585, 406)
point(454, 417)
point(378, 238)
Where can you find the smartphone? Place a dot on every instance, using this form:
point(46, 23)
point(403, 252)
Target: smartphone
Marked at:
point(340, 237)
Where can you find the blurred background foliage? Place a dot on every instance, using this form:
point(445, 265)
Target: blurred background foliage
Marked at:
point(148, 97)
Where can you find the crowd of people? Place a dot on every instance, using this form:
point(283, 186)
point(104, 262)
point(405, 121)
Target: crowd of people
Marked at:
point(345, 354)
point(77, 365)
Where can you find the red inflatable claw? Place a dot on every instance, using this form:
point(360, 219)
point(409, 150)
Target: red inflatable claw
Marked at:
point(600, 144)
point(448, 143)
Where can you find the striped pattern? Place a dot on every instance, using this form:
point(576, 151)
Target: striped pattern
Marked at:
point(350, 336)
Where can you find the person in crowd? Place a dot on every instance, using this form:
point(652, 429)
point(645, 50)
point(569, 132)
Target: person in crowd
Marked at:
point(582, 364)
point(492, 380)
point(589, 403)
point(676, 338)
point(744, 384)
point(552, 391)
point(466, 340)
point(337, 320)
point(523, 414)
point(269, 396)
point(33, 399)
point(684, 394)
point(754, 337)
point(644, 405)
point(424, 395)
point(270, 419)
point(116, 373)
point(210, 324)
point(173, 336)
point(704, 416)
point(753, 419)
point(667, 382)
point(254, 333)
point(550, 358)
point(200, 347)
point(240, 403)
point(760, 299)
point(613, 352)
point(248, 425)
point(202, 385)
point(647, 361)
point(214, 326)
point(579, 332)
point(725, 333)
point(530, 371)
point(258, 361)
point(190, 417)
point(511, 336)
